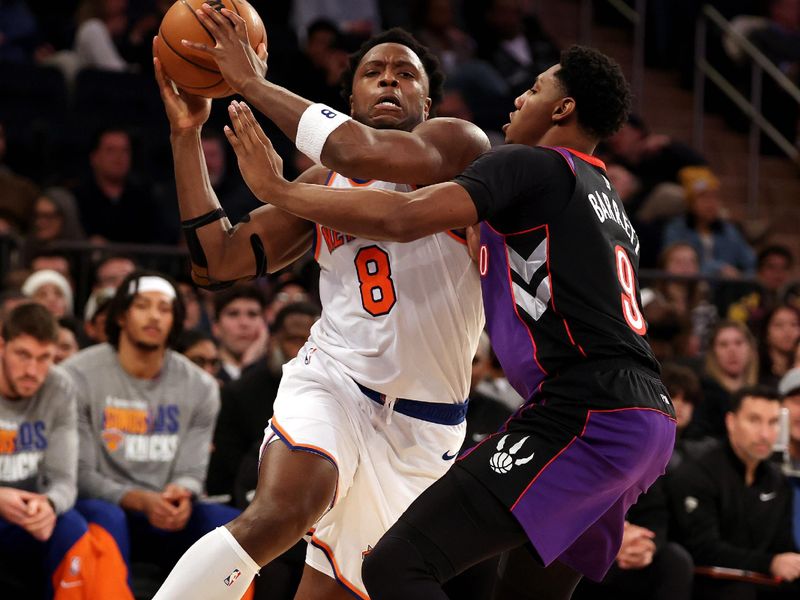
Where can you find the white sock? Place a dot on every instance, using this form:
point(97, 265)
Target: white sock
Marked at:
point(216, 567)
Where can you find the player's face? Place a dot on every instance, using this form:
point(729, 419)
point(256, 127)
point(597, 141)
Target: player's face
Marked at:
point(732, 351)
point(390, 89)
point(535, 109)
point(753, 430)
point(148, 320)
point(239, 324)
point(26, 362)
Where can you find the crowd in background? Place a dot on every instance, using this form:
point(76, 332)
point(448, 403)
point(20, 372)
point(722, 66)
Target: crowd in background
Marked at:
point(84, 158)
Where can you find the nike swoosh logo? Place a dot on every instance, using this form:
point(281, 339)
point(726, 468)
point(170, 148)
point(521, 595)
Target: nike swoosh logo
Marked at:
point(767, 497)
point(71, 584)
point(446, 456)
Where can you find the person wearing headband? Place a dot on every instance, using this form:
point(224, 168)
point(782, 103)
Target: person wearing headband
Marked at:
point(147, 414)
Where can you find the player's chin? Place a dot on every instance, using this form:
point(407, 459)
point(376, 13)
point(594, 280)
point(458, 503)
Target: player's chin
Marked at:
point(387, 121)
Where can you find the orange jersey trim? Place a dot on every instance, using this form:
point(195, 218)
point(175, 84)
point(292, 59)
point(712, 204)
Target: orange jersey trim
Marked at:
point(456, 237)
point(340, 579)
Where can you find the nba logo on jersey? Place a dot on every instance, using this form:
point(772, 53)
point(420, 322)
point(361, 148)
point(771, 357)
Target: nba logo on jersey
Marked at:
point(230, 579)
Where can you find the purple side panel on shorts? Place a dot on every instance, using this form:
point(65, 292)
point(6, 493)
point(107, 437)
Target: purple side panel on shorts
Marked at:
point(574, 510)
point(511, 340)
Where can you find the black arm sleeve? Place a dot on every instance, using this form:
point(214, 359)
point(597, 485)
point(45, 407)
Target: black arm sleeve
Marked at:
point(536, 182)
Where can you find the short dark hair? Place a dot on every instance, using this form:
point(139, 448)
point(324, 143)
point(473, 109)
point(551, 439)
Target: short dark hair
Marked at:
point(774, 250)
point(295, 308)
point(122, 301)
point(31, 319)
point(98, 134)
point(596, 83)
point(753, 391)
point(400, 36)
point(680, 380)
point(192, 337)
point(247, 291)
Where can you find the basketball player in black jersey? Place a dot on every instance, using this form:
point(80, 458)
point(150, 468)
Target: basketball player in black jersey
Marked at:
point(558, 260)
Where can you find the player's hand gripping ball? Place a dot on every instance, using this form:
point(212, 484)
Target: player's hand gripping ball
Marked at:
point(194, 71)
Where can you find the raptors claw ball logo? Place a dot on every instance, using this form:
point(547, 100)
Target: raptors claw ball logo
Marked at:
point(502, 461)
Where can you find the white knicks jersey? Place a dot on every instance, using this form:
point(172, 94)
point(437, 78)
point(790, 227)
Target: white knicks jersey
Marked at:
point(402, 318)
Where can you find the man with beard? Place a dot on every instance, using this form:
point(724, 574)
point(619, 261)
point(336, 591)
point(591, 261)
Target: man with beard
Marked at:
point(145, 418)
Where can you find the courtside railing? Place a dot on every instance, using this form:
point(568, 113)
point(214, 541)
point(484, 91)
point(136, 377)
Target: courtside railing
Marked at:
point(759, 66)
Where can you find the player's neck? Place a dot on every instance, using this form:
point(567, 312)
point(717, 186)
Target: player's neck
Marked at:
point(140, 362)
point(568, 138)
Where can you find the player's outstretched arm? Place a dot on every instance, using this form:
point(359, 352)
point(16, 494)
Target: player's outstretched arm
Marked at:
point(370, 213)
point(435, 151)
point(222, 254)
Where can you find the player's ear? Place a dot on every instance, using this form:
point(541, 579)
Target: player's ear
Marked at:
point(563, 110)
point(426, 110)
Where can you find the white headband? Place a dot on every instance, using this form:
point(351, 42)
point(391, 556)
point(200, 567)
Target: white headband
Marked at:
point(152, 283)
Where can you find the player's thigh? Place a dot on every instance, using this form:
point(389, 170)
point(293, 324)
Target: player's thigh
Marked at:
point(318, 586)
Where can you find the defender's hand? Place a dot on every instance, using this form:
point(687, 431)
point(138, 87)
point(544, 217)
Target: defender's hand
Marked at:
point(236, 59)
point(184, 111)
point(260, 165)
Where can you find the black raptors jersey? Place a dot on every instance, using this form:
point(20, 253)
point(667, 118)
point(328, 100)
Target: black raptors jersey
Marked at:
point(558, 264)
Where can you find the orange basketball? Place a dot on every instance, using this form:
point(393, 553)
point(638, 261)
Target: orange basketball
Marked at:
point(191, 70)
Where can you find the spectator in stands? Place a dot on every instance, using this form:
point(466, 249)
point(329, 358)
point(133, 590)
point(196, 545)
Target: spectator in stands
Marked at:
point(99, 23)
point(235, 197)
point(55, 219)
point(653, 158)
point(684, 301)
point(789, 390)
point(731, 364)
point(436, 28)
point(112, 270)
point(200, 348)
point(114, 207)
point(53, 261)
point(358, 17)
point(50, 289)
point(732, 507)
point(19, 194)
point(19, 32)
point(779, 40)
point(95, 314)
point(774, 266)
point(38, 470)
point(247, 406)
point(513, 42)
point(721, 248)
point(68, 335)
point(196, 317)
point(288, 289)
point(779, 343)
point(145, 417)
point(240, 327)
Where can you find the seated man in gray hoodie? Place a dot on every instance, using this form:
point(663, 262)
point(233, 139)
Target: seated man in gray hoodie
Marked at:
point(145, 416)
point(38, 471)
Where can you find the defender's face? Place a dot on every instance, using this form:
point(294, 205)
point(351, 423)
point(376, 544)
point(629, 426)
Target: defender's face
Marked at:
point(390, 89)
point(534, 114)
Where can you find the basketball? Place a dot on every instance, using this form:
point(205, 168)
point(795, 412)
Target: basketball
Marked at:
point(191, 70)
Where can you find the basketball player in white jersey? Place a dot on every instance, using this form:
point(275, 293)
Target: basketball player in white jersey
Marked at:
point(371, 412)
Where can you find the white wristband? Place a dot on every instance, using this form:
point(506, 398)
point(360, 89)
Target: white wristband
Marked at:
point(316, 124)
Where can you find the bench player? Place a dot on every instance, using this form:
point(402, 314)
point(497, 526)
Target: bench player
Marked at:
point(372, 410)
point(558, 261)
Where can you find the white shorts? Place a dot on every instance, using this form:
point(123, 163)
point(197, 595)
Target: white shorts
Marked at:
point(384, 459)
